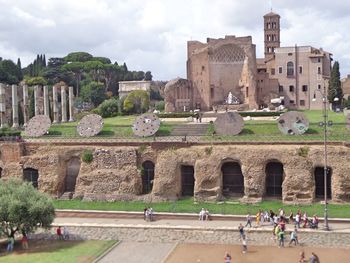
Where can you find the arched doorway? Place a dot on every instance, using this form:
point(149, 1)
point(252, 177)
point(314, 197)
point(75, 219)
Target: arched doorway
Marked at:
point(31, 175)
point(147, 177)
point(274, 179)
point(232, 179)
point(0, 172)
point(319, 182)
point(187, 180)
point(72, 172)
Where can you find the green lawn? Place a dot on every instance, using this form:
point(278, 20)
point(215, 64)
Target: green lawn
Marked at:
point(48, 251)
point(188, 206)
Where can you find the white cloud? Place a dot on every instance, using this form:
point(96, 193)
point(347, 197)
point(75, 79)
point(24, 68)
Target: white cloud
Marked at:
point(152, 34)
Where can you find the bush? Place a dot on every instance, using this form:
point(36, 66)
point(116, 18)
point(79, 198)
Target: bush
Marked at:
point(87, 156)
point(109, 108)
point(137, 101)
point(9, 132)
point(160, 105)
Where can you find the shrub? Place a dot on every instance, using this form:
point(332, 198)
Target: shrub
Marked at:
point(303, 151)
point(93, 92)
point(109, 108)
point(9, 132)
point(160, 105)
point(87, 156)
point(137, 101)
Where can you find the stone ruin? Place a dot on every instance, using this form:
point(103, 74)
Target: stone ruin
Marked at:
point(19, 97)
point(90, 125)
point(229, 123)
point(177, 95)
point(38, 126)
point(293, 123)
point(146, 125)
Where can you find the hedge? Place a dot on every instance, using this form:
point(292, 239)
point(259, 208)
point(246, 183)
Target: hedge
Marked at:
point(243, 114)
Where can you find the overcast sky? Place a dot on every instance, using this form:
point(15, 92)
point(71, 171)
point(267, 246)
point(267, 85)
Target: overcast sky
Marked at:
point(152, 34)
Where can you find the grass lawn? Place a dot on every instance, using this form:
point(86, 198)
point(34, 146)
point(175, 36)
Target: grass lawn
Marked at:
point(48, 251)
point(187, 205)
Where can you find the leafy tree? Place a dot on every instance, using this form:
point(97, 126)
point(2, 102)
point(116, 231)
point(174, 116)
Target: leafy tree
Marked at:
point(94, 67)
point(23, 208)
point(136, 101)
point(160, 105)
point(53, 72)
point(148, 75)
point(9, 72)
point(103, 60)
point(36, 81)
point(78, 57)
point(93, 92)
point(335, 90)
point(109, 108)
point(76, 68)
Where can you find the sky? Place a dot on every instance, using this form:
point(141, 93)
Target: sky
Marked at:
point(153, 34)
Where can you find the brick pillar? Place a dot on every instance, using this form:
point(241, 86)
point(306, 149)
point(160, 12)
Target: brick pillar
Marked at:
point(55, 105)
point(14, 107)
point(3, 106)
point(25, 105)
point(63, 104)
point(71, 103)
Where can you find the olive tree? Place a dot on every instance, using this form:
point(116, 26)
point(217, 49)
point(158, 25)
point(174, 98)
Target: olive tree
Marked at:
point(23, 208)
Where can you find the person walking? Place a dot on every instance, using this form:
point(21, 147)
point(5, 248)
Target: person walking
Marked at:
point(241, 231)
point(244, 245)
point(59, 233)
point(24, 241)
point(293, 238)
point(302, 257)
point(10, 243)
point(257, 218)
point(249, 221)
point(227, 257)
point(314, 258)
point(281, 239)
point(65, 233)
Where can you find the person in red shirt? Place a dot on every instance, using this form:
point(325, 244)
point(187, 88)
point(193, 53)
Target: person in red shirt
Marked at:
point(59, 233)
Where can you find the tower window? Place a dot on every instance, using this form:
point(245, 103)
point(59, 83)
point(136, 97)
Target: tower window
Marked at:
point(280, 88)
point(280, 70)
point(319, 70)
point(302, 102)
point(300, 70)
point(291, 88)
point(304, 88)
point(272, 71)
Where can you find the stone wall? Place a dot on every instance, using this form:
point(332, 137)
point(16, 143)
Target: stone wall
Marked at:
point(115, 172)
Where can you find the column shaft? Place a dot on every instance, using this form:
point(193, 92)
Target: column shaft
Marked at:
point(63, 104)
point(15, 123)
point(71, 104)
point(55, 104)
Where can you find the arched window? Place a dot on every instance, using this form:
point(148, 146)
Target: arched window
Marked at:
point(274, 179)
point(31, 175)
point(147, 177)
point(187, 180)
point(232, 179)
point(319, 182)
point(73, 168)
point(290, 68)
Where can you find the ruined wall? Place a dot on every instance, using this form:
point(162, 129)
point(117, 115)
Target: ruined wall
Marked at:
point(115, 172)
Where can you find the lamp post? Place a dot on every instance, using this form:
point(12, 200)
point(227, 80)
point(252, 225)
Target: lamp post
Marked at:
point(325, 124)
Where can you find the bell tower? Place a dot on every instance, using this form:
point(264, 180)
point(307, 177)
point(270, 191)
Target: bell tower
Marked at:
point(271, 34)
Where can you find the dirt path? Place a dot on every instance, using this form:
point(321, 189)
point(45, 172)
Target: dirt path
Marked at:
point(203, 253)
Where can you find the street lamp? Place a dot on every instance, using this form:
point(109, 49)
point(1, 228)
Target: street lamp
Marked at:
point(325, 124)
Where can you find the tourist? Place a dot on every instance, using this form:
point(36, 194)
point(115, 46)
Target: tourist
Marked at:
point(227, 257)
point(315, 222)
point(261, 217)
point(297, 219)
point(244, 245)
point(277, 230)
point(59, 233)
point(249, 221)
point(282, 225)
point(65, 233)
point(314, 258)
point(24, 241)
point(147, 214)
point(144, 213)
point(266, 216)
point(202, 214)
point(302, 257)
point(241, 231)
point(10, 243)
point(206, 214)
point(150, 214)
point(272, 215)
point(293, 237)
point(257, 218)
point(281, 238)
point(291, 217)
point(305, 220)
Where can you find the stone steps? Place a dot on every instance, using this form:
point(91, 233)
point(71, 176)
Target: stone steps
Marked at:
point(66, 196)
point(190, 129)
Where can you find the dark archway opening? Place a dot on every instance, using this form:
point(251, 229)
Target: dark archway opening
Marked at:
point(274, 179)
point(31, 175)
point(232, 179)
point(147, 177)
point(187, 180)
point(0, 172)
point(319, 182)
point(72, 172)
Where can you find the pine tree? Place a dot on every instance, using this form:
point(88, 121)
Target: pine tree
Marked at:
point(334, 90)
point(19, 63)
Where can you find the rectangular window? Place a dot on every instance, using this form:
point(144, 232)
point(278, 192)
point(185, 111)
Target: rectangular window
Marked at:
point(319, 60)
point(272, 71)
point(304, 88)
point(291, 88)
point(291, 101)
point(319, 70)
point(300, 70)
point(319, 87)
point(280, 70)
point(302, 102)
point(212, 92)
point(280, 89)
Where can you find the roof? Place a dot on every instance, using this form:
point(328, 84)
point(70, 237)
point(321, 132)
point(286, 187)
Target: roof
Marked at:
point(271, 14)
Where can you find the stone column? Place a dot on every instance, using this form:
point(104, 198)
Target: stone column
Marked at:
point(46, 101)
point(63, 104)
point(25, 105)
point(54, 104)
point(36, 100)
point(3, 106)
point(14, 107)
point(71, 103)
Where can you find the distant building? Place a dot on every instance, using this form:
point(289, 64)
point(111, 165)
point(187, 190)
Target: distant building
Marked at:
point(293, 75)
point(125, 87)
point(345, 85)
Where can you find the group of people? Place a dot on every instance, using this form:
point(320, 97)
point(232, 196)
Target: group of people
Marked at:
point(62, 234)
point(313, 258)
point(204, 214)
point(148, 214)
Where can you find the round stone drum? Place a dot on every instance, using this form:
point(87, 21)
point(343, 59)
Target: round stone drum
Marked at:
point(38, 126)
point(146, 125)
point(293, 123)
point(90, 125)
point(229, 123)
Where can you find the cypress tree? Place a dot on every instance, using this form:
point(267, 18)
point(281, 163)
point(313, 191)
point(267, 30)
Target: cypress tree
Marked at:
point(31, 110)
point(19, 63)
point(334, 90)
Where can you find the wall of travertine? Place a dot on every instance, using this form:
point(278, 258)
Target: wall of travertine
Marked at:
point(115, 174)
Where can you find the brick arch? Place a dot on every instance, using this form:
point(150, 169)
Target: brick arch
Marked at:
point(31, 175)
point(228, 53)
point(274, 177)
point(232, 178)
point(147, 176)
